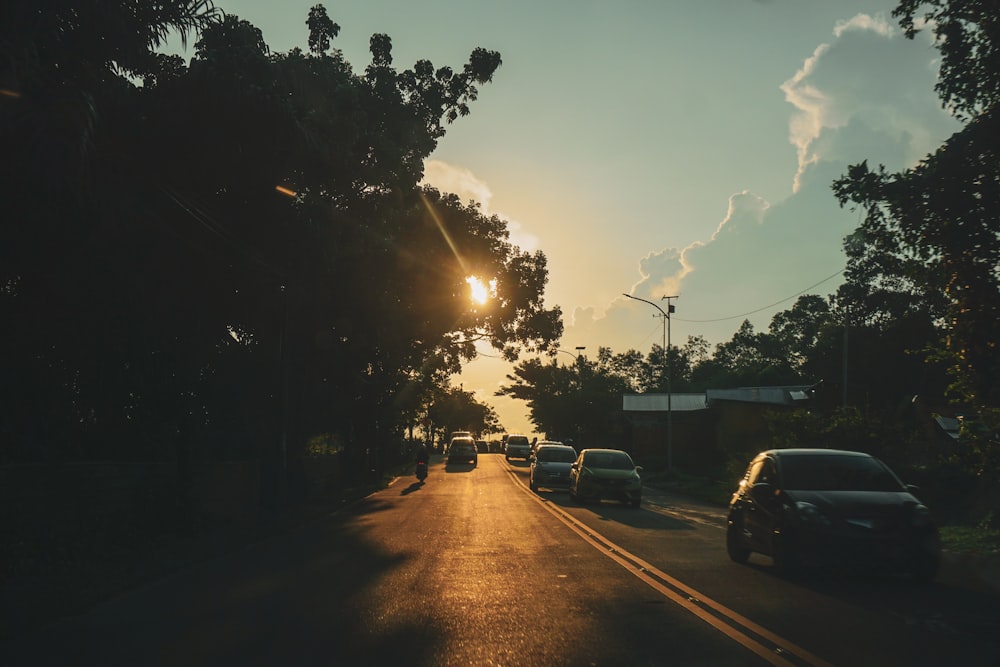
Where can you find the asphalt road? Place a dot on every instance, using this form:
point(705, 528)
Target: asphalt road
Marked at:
point(471, 568)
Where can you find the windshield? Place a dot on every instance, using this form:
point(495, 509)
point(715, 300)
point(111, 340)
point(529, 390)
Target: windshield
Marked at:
point(836, 473)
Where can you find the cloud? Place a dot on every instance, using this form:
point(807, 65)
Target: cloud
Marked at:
point(471, 189)
point(868, 94)
point(459, 181)
point(873, 78)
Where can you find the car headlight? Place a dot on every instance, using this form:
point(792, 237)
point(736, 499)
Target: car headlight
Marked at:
point(920, 516)
point(810, 514)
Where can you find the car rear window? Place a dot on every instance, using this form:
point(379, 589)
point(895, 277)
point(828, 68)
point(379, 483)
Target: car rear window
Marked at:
point(555, 455)
point(609, 460)
point(517, 440)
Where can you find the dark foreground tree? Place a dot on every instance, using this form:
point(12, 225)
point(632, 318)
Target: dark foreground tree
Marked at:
point(238, 245)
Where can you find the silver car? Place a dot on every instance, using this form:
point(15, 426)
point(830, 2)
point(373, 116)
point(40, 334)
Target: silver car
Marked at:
point(550, 465)
point(518, 447)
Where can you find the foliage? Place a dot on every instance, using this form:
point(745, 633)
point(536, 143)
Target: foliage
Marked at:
point(967, 34)
point(930, 233)
point(929, 246)
point(978, 540)
point(846, 428)
point(450, 409)
point(238, 245)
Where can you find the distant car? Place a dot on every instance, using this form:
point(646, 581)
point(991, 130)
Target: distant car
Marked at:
point(482, 446)
point(605, 473)
point(518, 447)
point(462, 450)
point(550, 465)
point(834, 507)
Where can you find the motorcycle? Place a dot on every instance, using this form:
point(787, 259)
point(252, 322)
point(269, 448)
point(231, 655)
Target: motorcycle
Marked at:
point(421, 470)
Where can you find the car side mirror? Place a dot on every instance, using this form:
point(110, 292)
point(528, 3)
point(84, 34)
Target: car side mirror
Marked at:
point(762, 492)
point(574, 466)
point(913, 488)
point(638, 468)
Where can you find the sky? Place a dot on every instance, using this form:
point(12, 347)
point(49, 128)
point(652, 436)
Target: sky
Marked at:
point(658, 147)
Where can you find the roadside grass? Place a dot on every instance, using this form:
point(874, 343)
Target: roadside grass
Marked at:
point(978, 540)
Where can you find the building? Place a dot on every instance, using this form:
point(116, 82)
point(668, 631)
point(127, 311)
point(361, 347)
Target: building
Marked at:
point(706, 425)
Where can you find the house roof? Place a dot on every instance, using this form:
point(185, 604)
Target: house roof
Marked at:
point(658, 402)
point(788, 395)
point(949, 425)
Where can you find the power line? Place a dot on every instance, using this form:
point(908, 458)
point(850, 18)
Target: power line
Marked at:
point(752, 312)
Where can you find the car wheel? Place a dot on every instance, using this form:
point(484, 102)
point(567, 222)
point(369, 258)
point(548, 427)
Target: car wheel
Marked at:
point(737, 551)
point(507, 457)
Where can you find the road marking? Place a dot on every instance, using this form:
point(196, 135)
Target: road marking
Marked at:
point(771, 647)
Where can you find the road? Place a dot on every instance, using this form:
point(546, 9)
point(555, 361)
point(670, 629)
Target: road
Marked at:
point(471, 568)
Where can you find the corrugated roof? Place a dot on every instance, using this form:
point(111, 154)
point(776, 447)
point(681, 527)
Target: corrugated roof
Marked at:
point(769, 395)
point(658, 402)
point(949, 425)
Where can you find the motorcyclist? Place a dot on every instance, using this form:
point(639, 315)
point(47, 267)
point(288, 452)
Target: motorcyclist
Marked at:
point(423, 456)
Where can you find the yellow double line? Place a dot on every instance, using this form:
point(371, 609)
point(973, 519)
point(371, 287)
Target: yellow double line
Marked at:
point(769, 646)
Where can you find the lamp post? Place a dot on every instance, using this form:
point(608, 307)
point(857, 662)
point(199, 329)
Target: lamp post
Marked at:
point(579, 350)
point(666, 352)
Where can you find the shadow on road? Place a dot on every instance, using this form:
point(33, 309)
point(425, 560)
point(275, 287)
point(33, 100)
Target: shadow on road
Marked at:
point(415, 486)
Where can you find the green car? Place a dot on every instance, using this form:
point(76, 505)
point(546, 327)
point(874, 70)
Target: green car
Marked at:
point(605, 473)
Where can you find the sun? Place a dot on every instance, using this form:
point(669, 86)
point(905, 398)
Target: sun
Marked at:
point(479, 292)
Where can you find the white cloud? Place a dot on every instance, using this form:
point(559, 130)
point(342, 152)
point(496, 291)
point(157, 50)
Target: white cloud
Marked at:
point(877, 24)
point(459, 181)
point(870, 77)
point(470, 188)
point(868, 94)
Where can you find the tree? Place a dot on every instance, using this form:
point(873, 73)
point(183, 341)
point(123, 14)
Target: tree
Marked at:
point(322, 30)
point(931, 230)
point(243, 244)
point(750, 359)
point(452, 409)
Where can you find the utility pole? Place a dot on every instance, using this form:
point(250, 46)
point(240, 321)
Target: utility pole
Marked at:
point(666, 351)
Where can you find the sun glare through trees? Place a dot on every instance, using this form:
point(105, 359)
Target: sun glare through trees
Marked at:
point(479, 292)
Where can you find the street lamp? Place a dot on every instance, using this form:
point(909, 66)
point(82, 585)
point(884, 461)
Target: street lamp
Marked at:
point(666, 352)
point(579, 350)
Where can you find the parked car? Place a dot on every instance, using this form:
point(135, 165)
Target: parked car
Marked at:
point(535, 444)
point(518, 447)
point(605, 473)
point(482, 446)
point(831, 507)
point(550, 465)
point(462, 450)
